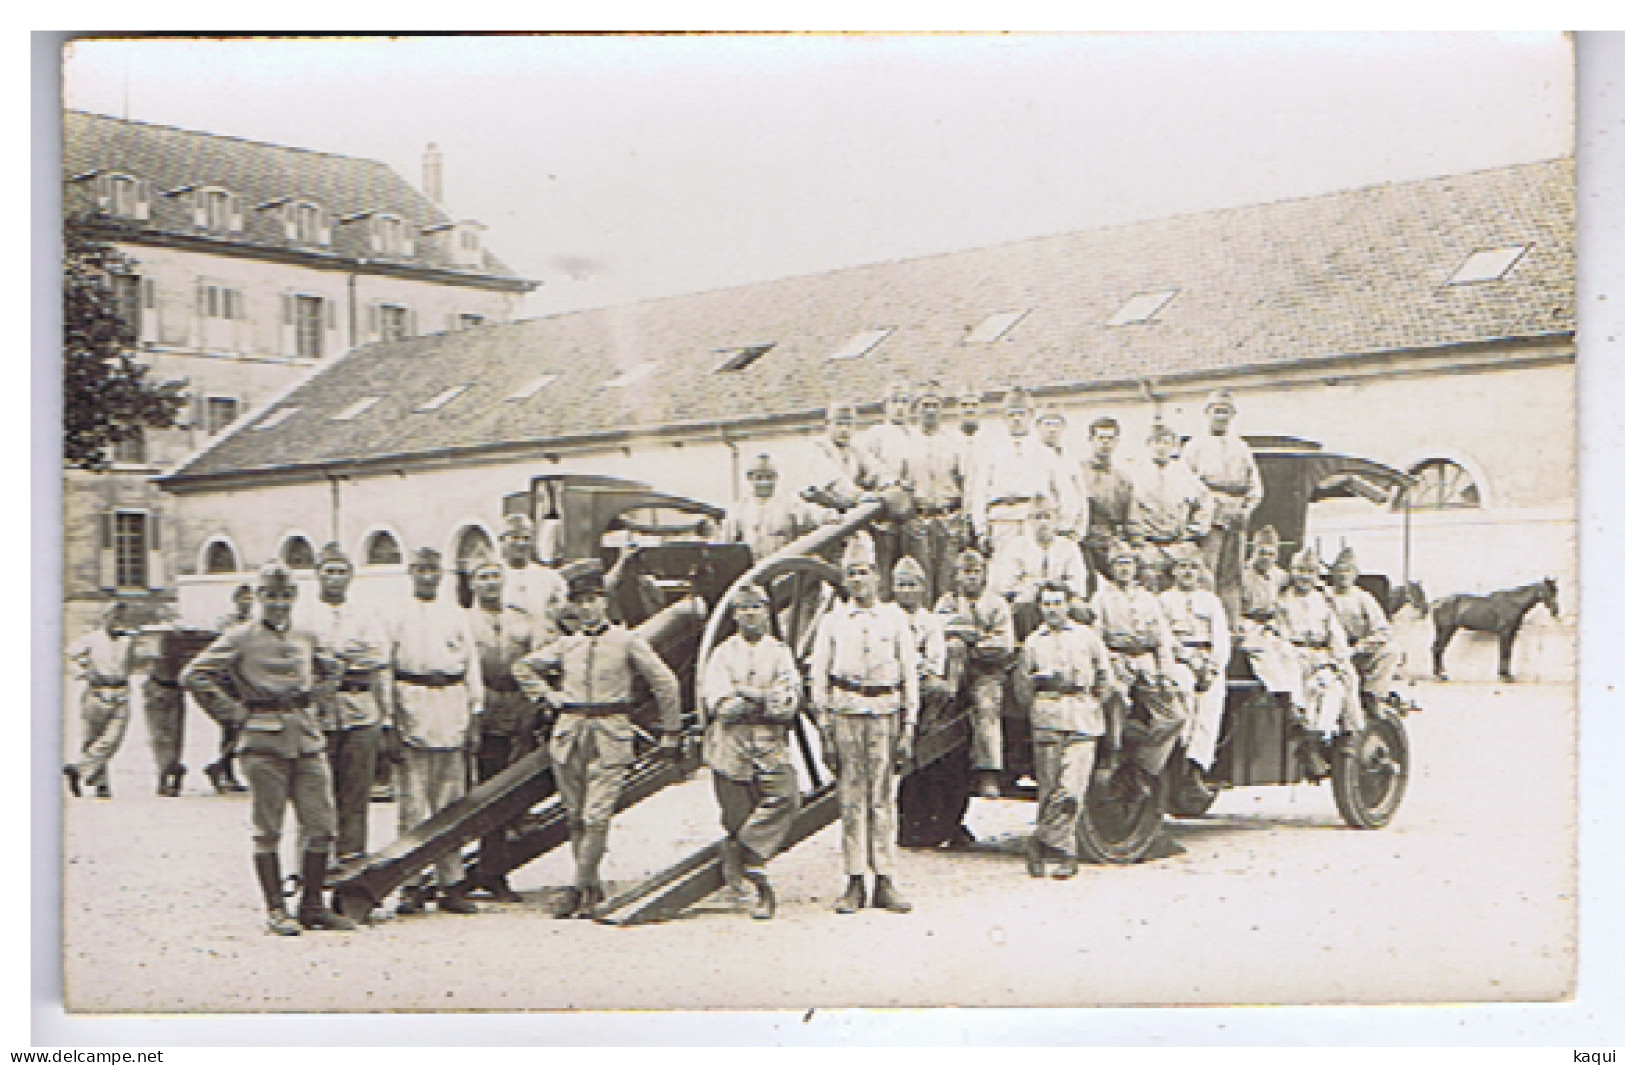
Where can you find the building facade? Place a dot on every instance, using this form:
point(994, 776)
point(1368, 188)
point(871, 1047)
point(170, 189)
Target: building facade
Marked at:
point(1427, 325)
point(257, 264)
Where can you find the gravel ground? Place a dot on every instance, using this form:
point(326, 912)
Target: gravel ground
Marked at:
point(1467, 897)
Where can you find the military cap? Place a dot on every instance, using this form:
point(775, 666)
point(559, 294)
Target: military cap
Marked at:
point(243, 591)
point(275, 574)
point(860, 551)
point(425, 556)
point(908, 566)
point(970, 397)
point(1050, 414)
point(331, 552)
point(583, 578)
point(1345, 557)
point(843, 412)
point(1017, 399)
point(970, 554)
point(750, 594)
point(1220, 397)
point(518, 525)
point(762, 467)
point(1306, 554)
point(1267, 537)
point(482, 560)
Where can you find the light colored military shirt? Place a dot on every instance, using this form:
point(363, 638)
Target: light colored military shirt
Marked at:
point(1362, 617)
point(1197, 617)
point(99, 658)
point(1072, 664)
point(1022, 468)
point(872, 647)
point(1021, 564)
point(259, 662)
point(1131, 620)
point(890, 446)
point(843, 472)
point(537, 590)
point(1225, 465)
point(936, 470)
point(357, 637)
point(1170, 502)
point(749, 693)
point(1308, 620)
point(929, 642)
point(433, 637)
point(766, 526)
point(595, 668)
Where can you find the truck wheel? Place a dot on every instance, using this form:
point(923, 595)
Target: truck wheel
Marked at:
point(931, 801)
point(1114, 831)
point(1369, 781)
point(1188, 794)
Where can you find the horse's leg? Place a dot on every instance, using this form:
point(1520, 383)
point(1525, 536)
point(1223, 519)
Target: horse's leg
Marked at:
point(1441, 639)
point(1509, 634)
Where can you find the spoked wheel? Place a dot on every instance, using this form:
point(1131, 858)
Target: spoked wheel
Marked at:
point(1188, 794)
point(1369, 782)
point(1113, 830)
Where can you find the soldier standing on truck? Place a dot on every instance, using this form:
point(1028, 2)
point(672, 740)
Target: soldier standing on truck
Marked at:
point(439, 692)
point(1224, 463)
point(102, 659)
point(352, 716)
point(981, 634)
point(749, 693)
point(263, 676)
point(1067, 671)
point(504, 633)
point(1111, 498)
point(585, 679)
point(866, 696)
point(1072, 505)
point(1171, 505)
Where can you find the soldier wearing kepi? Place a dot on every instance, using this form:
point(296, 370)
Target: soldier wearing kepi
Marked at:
point(102, 659)
point(1366, 626)
point(1258, 626)
point(585, 678)
point(981, 633)
point(866, 695)
point(1067, 670)
point(940, 678)
point(1013, 474)
point(264, 675)
point(439, 691)
point(164, 703)
point(353, 716)
point(1146, 674)
point(841, 471)
point(749, 695)
point(504, 633)
point(1224, 463)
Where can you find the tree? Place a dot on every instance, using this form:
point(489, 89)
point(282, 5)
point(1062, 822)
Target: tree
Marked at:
point(107, 395)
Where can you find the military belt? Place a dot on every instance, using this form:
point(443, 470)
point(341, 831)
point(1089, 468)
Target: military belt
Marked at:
point(871, 690)
point(1047, 686)
point(356, 682)
point(1205, 645)
point(1132, 647)
point(1320, 644)
point(595, 709)
point(429, 680)
point(501, 684)
point(162, 683)
point(935, 512)
point(107, 682)
point(281, 705)
point(1228, 489)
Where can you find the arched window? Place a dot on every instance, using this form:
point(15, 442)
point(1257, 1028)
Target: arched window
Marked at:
point(219, 557)
point(382, 550)
point(1440, 485)
point(297, 553)
point(472, 542)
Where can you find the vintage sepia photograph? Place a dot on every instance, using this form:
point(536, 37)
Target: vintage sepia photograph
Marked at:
point(775, 521)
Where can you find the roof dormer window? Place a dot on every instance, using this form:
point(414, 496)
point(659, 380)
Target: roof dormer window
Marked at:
point(306, 223)
point(390, 235)
point(123, 196)
point(217, 210)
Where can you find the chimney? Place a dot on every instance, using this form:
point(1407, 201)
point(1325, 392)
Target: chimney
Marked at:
point(432, 173)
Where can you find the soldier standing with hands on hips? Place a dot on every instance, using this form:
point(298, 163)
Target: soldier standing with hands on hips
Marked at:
point(866, 695)
point(262, 678)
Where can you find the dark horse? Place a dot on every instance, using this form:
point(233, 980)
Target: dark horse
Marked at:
point(1499, 612)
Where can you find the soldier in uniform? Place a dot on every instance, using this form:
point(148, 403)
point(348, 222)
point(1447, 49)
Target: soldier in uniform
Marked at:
point(841, 470)
point(1330, 687)
point(1072, 505)
point(1224, 463)
point(585, 678)
point(1013, 475)
point(1370, 636)
point(981, 633)
point(1146, 674)
point(1171, 506)
point(438, 695)
point(1257, 628)
point(536, 589)
point(940, 676)
point(1202, 645)
point(1111, 498)
point(749, 695)
point(938, 530)
point(866, 696)
point(891, 443)
point(1032, 559)
point(763, 520)
point(503, 633)
point(264, 676)
point(1065, 670)
point(102, 659)
point(165, 706)
point(222, 772)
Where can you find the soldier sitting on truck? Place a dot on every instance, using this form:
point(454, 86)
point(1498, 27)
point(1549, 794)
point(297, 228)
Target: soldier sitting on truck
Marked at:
point(1376, 659)
point(1258, 629)
point(1202, 644)
point(1331, 690)
point(585, 679)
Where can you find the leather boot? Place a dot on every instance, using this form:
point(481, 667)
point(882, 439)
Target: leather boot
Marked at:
point(414, 901)
point(1314, 762)
point(733, 867)
point(1035, 858)
point(594, 842)
point(71, 772)
point(1066, 867)
point(855, 898)
point(217, 777)
point(887, 897)
point(592, 897)
point(766, 904)
point(313, 913)
point(502, 891)
point(455, 900)
point(569, 903)
point(268, 871)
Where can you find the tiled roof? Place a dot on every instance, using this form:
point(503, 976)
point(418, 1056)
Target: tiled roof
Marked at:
point(171, 159)
point(1345, 274)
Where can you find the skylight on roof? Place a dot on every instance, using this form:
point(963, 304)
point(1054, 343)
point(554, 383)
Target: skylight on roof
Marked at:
point(1491, 264)
point(1143, 307)
point(356, 409)
point(277, 418)
point(861, 344)
point(631, 375)
point(741, 357)
point(530, 388)
point(443, 398)
point(994, 326)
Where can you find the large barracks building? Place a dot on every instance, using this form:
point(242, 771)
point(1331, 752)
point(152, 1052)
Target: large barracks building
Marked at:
point(1427, 325)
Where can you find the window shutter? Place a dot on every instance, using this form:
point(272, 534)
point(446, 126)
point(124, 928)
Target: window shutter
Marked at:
point(330, 312)
point(372, 321)
point(104, 192)
point(106, 564)
point(155, 553)
point(143, 199)
point(289, 340)
point(149, 294)
point(290, 222)
point(200, 210)
point(324, 231)
point(234, 204)
point(411, 322)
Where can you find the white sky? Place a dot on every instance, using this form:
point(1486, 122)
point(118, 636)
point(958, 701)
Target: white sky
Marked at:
point(613, 169)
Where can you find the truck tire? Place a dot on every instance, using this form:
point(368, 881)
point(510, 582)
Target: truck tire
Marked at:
point(1368, 782)
point(1112, 831)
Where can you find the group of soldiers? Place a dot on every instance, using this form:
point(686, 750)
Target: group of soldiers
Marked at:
point(1109, 598)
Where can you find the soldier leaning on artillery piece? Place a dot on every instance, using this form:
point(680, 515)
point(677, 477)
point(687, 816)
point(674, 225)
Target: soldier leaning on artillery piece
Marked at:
point(584, 678)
